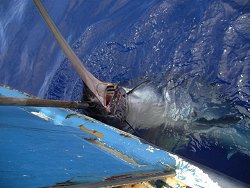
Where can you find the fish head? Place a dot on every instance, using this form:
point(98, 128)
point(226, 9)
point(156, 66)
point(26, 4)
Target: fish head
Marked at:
point(115, 111)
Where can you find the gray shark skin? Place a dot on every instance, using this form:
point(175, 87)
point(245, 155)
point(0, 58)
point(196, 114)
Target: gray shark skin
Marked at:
point(176, 112)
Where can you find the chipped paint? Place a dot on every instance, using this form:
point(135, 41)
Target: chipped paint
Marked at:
point(150, 149)
point(70, 115)
point(126, 135)
point(112, 147)
point(174, 182)
point(114, 152)
point(40, 115)
point(81, 116)
point(93, 132)
point(192, 175)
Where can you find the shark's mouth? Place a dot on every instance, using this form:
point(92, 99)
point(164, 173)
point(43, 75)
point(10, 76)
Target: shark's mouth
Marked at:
point(116, 109)
point(118, 104)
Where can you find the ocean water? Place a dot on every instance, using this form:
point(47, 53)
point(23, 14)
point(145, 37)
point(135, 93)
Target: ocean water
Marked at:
point(123, 41)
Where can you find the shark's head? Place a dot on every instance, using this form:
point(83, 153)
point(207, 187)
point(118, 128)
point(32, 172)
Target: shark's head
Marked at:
point(153, 103)
point(115, 111)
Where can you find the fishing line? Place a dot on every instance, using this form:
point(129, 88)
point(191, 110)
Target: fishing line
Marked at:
point(136, 133)
point(132, 90)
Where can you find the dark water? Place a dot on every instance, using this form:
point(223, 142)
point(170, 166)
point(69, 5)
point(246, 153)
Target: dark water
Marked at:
point(126, 40)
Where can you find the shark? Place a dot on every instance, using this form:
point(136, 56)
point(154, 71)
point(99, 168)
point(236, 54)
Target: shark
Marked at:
point(178, 111)
point(178, 108)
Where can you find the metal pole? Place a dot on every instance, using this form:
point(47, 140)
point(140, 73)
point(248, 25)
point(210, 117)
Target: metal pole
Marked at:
point(12, 101)
point(96, 86)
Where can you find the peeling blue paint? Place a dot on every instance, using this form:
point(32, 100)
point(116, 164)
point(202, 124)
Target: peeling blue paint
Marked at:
point(43, 146)
point(38, 151)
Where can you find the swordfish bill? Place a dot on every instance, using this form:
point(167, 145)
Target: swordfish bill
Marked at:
point(101, 90)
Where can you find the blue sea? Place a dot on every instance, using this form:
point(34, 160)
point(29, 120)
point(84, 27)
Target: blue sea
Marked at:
point(126, 40)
